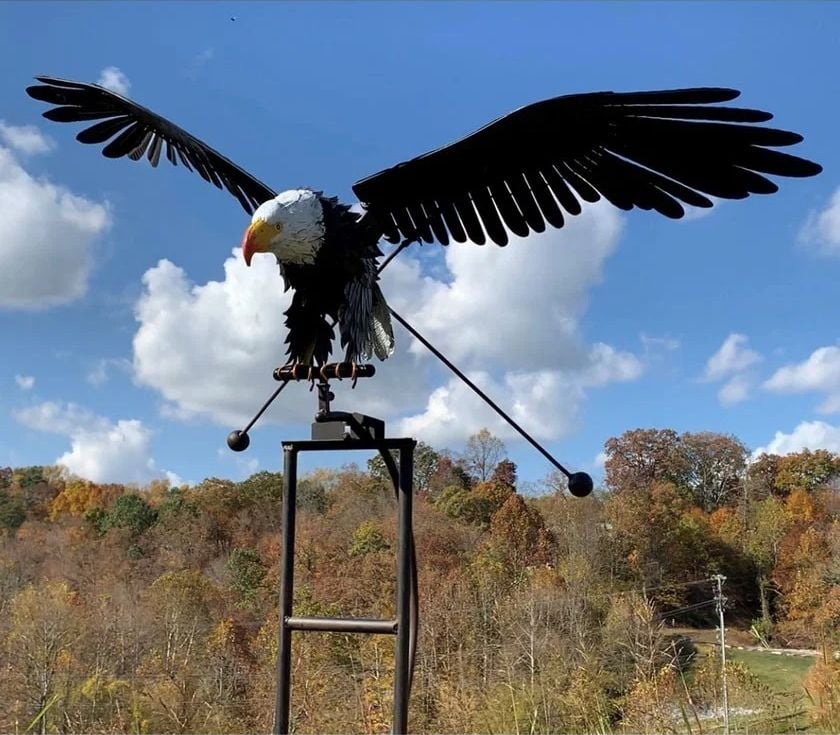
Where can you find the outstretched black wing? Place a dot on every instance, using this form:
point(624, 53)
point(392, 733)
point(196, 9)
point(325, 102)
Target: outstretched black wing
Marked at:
point(652, 150)
point(141, 132)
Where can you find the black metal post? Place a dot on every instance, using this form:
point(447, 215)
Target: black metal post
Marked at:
point(402, 667)
point(402, 626)
point(287, 589)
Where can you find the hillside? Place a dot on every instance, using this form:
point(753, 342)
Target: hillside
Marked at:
point(153, 609)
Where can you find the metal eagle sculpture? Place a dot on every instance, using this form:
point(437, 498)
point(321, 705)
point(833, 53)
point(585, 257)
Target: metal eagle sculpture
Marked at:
point(531, 168)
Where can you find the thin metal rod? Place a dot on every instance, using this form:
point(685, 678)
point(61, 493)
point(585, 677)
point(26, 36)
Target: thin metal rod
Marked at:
point(394, 253)
point(402, 672)
point(489, 401)
point(265, 406)
point(287, 588)
point(343, 625)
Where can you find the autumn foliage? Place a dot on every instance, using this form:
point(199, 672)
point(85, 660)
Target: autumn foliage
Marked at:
point(127, 609)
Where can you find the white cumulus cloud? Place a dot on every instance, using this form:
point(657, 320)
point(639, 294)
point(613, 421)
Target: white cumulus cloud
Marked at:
point(25, 382)
point(111, 77)
point(821, 230)
point(544, 402)
point(733, 356)
point(735, 390)
point(210, 349)
point(46, 234)
point(100, 373)
point(100, 450)
point(510, 316)
point(807, 435)
point(26, 139)
point(520, 305)
point(820, 372)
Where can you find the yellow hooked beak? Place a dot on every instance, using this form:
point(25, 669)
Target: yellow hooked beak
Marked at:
point(257, 238)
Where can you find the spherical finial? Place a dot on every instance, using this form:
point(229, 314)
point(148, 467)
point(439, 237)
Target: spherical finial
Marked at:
point(580, 484)
point(238, 440)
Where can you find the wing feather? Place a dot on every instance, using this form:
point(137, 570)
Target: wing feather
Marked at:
point(655, 150)
point(452, 220)
point(486, 208)
point(135, 132)
point(545, 201)
point(468, 217)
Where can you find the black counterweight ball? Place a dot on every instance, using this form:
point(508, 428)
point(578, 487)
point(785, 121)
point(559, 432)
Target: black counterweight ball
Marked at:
point(238, 441)
point(580, 484)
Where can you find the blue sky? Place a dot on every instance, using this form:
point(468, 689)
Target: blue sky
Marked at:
point(134, 340)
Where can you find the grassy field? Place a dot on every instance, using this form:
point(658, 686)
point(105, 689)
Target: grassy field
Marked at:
point(780, 673)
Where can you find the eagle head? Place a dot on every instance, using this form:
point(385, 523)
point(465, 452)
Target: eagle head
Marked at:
point(291, 226)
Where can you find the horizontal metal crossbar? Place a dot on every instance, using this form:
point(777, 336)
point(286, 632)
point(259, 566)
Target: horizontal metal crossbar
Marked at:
point(342, 625)
point(320, 445)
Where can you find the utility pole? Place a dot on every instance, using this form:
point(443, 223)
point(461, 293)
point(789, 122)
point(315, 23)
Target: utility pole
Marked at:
point(720, 600)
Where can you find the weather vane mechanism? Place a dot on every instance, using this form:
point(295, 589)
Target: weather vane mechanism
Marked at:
point(520, 174)
point(533, 168)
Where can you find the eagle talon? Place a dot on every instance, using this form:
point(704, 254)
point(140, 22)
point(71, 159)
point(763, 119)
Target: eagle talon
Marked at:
point(354, 374)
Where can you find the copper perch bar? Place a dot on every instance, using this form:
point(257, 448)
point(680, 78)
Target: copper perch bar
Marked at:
point(329, 371)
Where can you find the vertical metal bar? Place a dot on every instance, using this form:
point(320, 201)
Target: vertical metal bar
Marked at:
point(287, 588)
point(402, 673)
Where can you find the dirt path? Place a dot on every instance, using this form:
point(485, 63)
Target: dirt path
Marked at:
point(739, 640)
point(779, 651)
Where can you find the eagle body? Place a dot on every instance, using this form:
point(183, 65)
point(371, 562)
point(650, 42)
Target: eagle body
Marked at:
point(327, 255)
point(524, 172)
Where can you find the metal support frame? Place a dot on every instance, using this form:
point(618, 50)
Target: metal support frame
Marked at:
point(400, 626)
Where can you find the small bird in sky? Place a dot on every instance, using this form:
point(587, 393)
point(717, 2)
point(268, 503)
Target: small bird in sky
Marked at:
point(523, 172)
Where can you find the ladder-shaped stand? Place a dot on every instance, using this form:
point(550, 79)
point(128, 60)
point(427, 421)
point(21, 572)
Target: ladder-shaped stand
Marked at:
point(347, 431)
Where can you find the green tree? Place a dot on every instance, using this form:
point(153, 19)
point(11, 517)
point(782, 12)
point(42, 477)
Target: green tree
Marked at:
point(247, 574)
point(26, 477)
point(425, 466)
point(367, 539)
point(806, 470)
point(261, 486)
point(767, 528)
point(474, 505)
point(132, 512)
point(12, 512)
point(312, 496)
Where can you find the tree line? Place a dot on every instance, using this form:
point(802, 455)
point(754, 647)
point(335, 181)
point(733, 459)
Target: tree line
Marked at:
point(154, 609)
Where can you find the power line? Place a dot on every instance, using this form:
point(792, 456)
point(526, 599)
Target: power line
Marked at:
point(687, 608)
point(679, 584)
